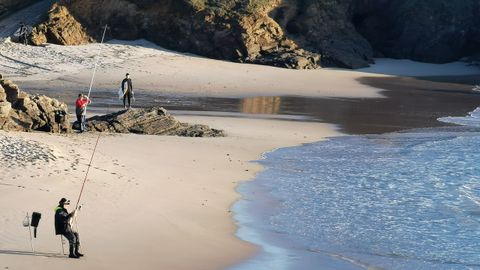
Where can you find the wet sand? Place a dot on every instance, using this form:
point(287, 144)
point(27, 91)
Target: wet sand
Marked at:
point(466, 79)
point(408, 103)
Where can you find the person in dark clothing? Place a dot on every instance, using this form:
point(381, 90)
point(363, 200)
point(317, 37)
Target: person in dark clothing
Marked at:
point(23, 34)
point(63, 227)
point(127, 88)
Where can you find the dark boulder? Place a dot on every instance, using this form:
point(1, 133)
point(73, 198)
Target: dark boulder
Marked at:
point(151, 121)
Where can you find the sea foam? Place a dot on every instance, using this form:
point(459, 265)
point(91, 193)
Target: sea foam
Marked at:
point(473, 119)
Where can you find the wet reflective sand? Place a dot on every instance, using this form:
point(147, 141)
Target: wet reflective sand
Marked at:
point(409, 103)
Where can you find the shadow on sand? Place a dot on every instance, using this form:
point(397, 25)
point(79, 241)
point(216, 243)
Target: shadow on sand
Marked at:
point(30, 253)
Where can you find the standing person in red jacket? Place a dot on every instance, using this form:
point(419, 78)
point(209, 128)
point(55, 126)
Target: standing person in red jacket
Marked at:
point(81, 110)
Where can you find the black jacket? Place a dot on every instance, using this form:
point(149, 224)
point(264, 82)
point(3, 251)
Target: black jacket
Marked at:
point(62, 217)
point(128, 83)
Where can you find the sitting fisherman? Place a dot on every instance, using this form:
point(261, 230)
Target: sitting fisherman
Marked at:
point(63, 227)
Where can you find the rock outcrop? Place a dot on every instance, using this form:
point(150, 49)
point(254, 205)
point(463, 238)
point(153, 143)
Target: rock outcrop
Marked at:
point(325, 27)
point(286, 33)
point(423, 30)
point(20, 111)
point(60, 28)
point(151, 121)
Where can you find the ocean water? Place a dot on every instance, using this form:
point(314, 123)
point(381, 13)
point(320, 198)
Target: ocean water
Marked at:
point(406, 200)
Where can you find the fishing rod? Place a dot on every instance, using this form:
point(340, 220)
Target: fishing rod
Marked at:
point(96, 63)
point(98, 138)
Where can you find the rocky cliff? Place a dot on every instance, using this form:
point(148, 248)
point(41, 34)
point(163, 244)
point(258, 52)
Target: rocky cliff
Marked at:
point(348, 33)
point(435, 31)
point(288, 33)
point(218, 29)
point(9, 6)
point(60, 28)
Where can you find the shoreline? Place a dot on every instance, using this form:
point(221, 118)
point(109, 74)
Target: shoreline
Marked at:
point(288, 246)
point(200, 178)
point(396, 89)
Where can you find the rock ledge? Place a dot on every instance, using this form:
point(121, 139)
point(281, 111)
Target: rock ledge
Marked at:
point(151, 121)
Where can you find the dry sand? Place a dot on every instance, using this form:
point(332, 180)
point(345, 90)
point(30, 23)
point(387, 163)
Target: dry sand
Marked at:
point(151, 202)
point(154, 68)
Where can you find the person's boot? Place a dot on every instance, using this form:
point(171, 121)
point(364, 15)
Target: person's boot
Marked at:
point(72, 253)
point(77, 253)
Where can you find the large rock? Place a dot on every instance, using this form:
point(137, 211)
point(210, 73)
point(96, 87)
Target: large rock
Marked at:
point(152, 121)
point(296, 59)
point(20, 111)
point(3, 95)
point(11, 90)
point(325, 27)
point(5, 108)
point(60, 28)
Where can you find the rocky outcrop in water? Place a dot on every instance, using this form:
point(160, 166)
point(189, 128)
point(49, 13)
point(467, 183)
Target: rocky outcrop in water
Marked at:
point(151, 121)
point(286, 33)
point(20, 111)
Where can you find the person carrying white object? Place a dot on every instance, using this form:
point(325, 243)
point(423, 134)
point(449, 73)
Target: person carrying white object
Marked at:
point(127, 90)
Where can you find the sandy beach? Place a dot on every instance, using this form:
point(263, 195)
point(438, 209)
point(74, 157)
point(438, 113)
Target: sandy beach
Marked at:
point(149, 201)
point(154, 201)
